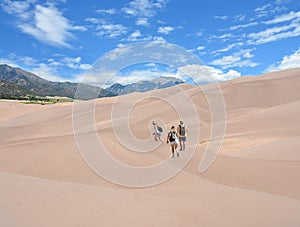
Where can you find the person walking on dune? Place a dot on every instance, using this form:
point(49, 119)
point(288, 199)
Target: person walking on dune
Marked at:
point(182, 132)
point(157, 132)
point(172, 138)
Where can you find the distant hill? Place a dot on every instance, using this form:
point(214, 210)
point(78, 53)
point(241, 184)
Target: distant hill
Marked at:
point(16, 82)
point(10, 90)
point(29, 83)
point(144, 85)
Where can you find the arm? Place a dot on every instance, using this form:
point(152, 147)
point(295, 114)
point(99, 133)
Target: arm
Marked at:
point(155, 129)
point(178, 131)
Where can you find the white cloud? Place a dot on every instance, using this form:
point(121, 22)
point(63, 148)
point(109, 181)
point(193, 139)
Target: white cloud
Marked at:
point(106, 78)
point(278, 19)
point(159, 39)
point(279, 2)
point(244, 63)
point(248, 55)
point(74, 63)
point(29, 61)
point(119, 52)
point(142, 22)
point(85, 66)
point(268, 9)
point(225, 36)
point(237, 59)
point(200, 74)
point(161, 22)
point(110, 30)
point(144, 8)
point(285, 17)
point(199, 48)
point(205, 74)
point(233, 61)
point(8, 62)
point(138, 75)
point(287, 62)
point(19, 8)
point(198, 33)
point(95, 20)
point(45, 23)
point(102, 78)
point(151, 64)
point(47, 72)
point(134, 36)
point(43, 70)
point(236, 27)
point(262, 8)
point(226, 60)
point(224, 17)
point(49, 26)
point(107, 11)
point(137, 36)
point(79, 28)
point(227, 48)
point(275, 33)
point(165, 30)
point(240, 17)
point(291, 28)
point(14, 60)
point(49, 69)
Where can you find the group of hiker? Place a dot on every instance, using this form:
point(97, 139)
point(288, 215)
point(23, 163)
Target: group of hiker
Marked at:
point(176, 136)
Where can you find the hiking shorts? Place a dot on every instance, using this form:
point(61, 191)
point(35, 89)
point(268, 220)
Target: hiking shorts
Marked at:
point(174, 142)
point(183, 138)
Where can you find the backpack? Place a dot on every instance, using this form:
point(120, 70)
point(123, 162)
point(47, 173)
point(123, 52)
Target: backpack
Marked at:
point(182, 130)
point(172, 136)
point(159, 129)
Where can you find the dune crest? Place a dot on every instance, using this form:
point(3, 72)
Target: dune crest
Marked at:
point(254, 181)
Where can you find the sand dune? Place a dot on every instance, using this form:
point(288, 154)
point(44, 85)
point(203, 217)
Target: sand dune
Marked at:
point(254, 181)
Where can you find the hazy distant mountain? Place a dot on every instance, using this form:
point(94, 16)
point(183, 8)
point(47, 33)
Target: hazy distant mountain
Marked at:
point(16, 82)
point(144, 85)
point(21, 81)
point(116, 88)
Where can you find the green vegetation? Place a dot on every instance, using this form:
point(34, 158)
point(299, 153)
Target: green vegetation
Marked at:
point(34, 99)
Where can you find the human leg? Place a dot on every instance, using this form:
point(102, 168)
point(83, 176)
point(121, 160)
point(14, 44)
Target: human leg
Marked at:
point(180, 143)
point(176, 148)
point(159, 137)
point(173, 149)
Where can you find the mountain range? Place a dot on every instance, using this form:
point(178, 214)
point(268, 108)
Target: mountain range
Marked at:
point(144, 85)
point(16, 82)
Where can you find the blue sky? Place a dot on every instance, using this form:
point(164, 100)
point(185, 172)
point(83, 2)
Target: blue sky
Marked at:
point(59, 40)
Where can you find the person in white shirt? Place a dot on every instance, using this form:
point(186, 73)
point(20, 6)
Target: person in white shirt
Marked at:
point(157, 132)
